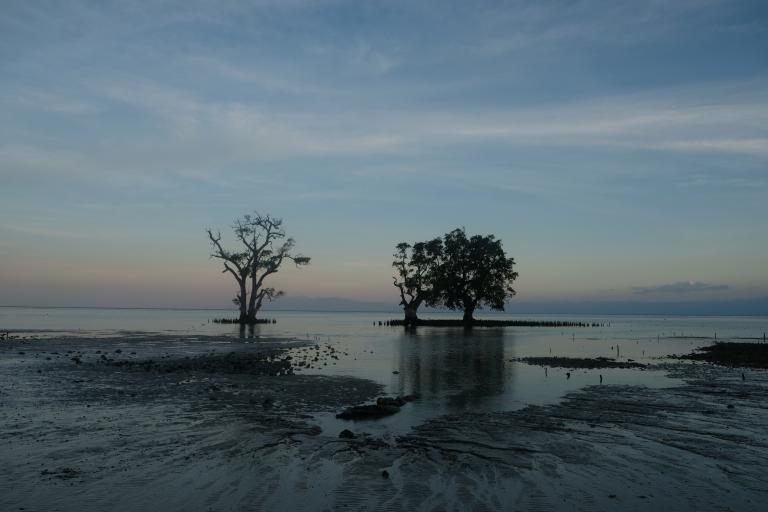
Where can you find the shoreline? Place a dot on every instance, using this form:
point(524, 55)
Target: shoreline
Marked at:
point(440, 322)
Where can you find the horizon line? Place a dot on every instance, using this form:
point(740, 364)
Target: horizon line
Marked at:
point(155, 308)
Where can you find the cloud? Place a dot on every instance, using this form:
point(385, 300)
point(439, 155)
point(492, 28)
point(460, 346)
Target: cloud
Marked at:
point(45, 101)
point(756, 147)
point(680, 287)
point(657, 122)
point(206, 139)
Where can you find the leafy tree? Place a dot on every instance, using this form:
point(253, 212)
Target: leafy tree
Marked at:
point(475, 272)
point(416, 275)
point(263, 247)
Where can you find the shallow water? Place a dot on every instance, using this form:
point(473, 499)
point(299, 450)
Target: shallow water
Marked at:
point(450, 370)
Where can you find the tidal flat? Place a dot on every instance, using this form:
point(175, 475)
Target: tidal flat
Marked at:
point(179, 422)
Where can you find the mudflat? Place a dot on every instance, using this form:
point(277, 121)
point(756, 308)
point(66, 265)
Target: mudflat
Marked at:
point(205, 423)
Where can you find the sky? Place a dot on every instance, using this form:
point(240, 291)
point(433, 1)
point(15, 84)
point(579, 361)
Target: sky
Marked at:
point(619, 149)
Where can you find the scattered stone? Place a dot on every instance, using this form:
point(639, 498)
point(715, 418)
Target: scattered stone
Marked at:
point(347, 434)
point(385, 474)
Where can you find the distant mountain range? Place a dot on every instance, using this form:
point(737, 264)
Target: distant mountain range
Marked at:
point(752, 306)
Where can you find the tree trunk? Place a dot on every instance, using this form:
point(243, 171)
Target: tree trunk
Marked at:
point(252, 301)
point(410, 314)
point(469, 311)
point(257, 306)
point(241, 299)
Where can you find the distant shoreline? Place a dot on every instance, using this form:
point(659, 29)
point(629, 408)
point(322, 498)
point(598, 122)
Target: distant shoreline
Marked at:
point(394, 311)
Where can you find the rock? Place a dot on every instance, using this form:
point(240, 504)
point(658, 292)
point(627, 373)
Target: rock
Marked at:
point(346, 434)
point(385, 474)
point(368, 412)
point(388, 401)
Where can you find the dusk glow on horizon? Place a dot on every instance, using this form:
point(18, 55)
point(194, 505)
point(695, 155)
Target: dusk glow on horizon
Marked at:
point(618, 149)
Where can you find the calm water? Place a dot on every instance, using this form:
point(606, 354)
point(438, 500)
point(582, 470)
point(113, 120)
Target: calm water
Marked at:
point(452, 370)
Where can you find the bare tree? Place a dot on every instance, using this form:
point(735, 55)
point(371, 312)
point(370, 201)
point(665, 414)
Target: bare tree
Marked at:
point(236, 263)
point(263, 248)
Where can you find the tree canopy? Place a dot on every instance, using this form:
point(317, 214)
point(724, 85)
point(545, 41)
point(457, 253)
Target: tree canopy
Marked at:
point(455, 271)
point(475, 272)
point(416, 272)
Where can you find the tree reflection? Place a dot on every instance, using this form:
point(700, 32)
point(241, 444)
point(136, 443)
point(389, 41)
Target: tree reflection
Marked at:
point(465, 366)
point(248, 330)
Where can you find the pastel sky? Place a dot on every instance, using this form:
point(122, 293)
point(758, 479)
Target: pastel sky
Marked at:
point(619, 149)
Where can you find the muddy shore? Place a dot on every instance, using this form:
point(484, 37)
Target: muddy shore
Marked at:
point(210, 424)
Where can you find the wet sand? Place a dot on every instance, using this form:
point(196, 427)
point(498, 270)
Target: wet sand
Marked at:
point(220, 424)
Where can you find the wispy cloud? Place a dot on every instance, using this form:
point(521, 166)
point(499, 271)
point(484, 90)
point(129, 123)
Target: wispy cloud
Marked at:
point(51, 102)
point(680, 287)
point(756, 147)
point(186, 135)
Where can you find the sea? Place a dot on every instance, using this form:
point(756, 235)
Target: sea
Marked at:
point(450, 370)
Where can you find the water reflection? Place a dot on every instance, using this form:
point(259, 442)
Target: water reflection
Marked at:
point(248, 331)
point(465, 367)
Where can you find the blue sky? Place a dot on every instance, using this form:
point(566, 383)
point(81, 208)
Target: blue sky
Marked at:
point(619, 149)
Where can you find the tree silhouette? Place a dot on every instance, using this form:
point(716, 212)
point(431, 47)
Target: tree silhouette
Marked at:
point(263, 248)
point(416, 271)
point(475, 272)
